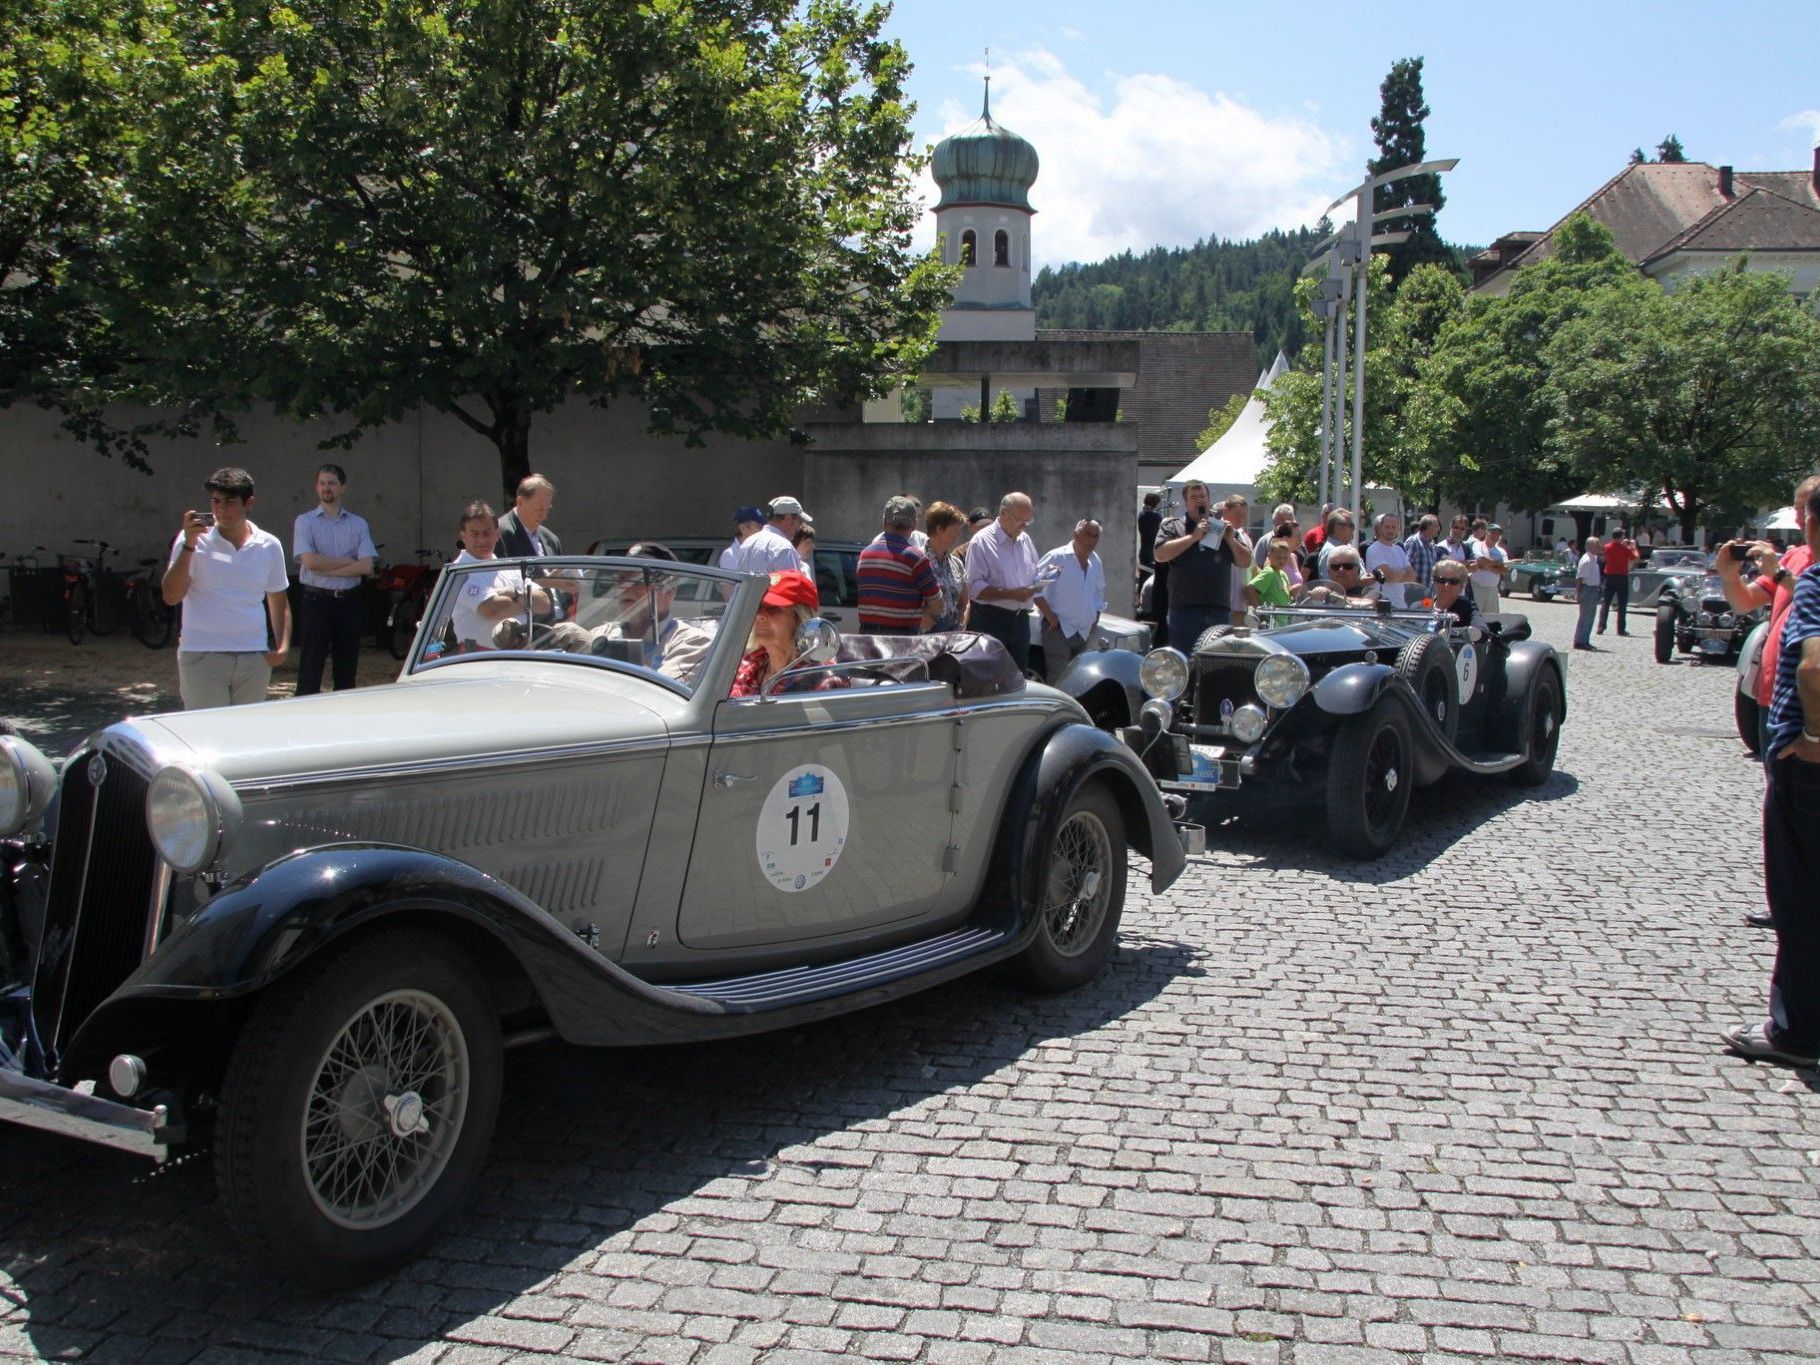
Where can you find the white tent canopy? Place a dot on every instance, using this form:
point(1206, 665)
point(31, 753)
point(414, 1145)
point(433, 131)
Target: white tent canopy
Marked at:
point(1783, 519)
point(1598, 502)
point(1233, 463)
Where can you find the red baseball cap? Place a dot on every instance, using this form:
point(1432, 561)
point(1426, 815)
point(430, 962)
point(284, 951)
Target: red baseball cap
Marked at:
point(791, 588)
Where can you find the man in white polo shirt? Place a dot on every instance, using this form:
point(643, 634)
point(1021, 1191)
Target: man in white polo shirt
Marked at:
point(229, 575)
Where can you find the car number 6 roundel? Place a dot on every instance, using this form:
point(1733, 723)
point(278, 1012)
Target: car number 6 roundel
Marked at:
point(802, 828)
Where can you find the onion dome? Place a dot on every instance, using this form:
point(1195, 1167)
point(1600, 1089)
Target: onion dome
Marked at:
point(984, 163)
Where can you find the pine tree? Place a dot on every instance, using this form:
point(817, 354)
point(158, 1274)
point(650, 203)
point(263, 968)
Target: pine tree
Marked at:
point(1402, 142)
point(1669, 151)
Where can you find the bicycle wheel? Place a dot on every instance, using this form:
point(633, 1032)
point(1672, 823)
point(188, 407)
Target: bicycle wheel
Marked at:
point(149, 618)
point(75, 615)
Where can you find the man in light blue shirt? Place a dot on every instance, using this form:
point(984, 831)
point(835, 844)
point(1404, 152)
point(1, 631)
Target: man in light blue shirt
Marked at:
point(334, 552)
point(1070, 594)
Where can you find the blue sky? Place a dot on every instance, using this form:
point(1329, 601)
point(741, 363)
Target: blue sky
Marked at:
point(1160, 122)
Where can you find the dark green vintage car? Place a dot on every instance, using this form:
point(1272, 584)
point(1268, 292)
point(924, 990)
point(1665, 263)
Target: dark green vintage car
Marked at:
point(305, 932)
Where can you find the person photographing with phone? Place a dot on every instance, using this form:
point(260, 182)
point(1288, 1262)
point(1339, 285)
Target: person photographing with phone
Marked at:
point(230, 577)
point(1198, 548)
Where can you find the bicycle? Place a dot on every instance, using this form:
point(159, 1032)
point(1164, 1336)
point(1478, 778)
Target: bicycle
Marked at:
point(147, 615)
point(89, 600)
point(408, 588)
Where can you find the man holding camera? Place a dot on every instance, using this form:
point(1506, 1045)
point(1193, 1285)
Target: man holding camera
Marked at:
point(229, 575)
point(1198, 548)
point(1791, 821)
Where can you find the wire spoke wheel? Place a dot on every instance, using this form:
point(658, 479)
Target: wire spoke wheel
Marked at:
point(385, 1110)
point(1078, 888)
point(1385, 771)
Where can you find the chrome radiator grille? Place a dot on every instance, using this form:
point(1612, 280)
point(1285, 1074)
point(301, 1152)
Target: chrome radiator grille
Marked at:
point(1219, 678)
point(102, 873)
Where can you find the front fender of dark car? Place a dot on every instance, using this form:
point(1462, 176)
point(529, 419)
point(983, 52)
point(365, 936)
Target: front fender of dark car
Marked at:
point(1105, 683)
point(1352, 689)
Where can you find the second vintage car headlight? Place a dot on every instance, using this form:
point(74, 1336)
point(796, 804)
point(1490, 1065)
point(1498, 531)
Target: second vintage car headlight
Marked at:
point(1164, 673)
point(191, 817)
point(26, 783)
point(1281, 680)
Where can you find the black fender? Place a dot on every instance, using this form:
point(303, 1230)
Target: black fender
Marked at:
point(1064, 760)
point(1106, 668)
point(261, 927)
point(1352, 689)
point(1526, 662)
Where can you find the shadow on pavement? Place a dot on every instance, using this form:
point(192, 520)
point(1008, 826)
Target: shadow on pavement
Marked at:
point(591, 1144)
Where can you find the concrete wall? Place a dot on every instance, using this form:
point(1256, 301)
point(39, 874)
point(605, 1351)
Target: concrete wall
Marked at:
point(411, 479)
point(1070, 470)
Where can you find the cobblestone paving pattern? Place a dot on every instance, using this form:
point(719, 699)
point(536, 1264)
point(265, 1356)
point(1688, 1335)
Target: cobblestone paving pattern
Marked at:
point(1462, 1103)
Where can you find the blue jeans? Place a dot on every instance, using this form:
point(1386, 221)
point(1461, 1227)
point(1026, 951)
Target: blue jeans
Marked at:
point(1589, 608)
point(1187, 623)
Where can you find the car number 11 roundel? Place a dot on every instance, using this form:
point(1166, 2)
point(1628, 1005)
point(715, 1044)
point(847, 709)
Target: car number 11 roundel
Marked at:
point(802, 827)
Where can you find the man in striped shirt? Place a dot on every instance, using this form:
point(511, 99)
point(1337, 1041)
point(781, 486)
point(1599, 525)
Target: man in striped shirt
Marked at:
point(898, 592)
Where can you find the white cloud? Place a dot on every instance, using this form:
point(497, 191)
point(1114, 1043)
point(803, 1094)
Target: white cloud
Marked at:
point(1159, 163)
point(1807, 118)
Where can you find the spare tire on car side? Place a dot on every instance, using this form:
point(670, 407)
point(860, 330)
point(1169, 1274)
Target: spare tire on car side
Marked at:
point(1426, 664)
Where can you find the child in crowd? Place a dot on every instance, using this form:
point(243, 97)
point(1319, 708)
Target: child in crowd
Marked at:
point(1269, 585)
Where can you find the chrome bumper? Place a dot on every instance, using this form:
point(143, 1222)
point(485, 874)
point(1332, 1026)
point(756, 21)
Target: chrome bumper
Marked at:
point(70, 1113)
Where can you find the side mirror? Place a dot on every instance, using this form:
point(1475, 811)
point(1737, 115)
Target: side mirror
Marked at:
point(817, 641)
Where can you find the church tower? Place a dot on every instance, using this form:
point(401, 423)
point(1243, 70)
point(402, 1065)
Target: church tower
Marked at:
point(985, 172)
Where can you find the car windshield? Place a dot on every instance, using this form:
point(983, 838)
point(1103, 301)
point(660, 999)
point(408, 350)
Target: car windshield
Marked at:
point(656, 616)
point(1677, 559)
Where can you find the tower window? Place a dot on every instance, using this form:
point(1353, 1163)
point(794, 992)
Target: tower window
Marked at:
point(1001, 247)
point(969, 247)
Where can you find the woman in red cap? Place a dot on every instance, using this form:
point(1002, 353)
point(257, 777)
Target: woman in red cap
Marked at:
point(790, 600)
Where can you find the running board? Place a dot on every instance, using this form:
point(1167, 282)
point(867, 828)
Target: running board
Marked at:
point(800, 985)
point(1487, 765)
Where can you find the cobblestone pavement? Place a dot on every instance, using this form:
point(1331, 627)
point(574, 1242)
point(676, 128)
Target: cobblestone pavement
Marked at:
point(1465, 1102)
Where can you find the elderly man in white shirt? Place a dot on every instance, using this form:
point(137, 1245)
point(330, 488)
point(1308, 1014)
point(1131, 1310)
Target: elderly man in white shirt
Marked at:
point(1001, 577)
point(1071, 594)
point(768, 550)
point(1590, 577)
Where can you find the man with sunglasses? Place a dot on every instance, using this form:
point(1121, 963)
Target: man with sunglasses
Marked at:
point(1346, 586)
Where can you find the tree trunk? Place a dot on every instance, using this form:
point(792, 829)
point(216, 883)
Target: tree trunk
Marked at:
point(512, 436)
point(1690, 513)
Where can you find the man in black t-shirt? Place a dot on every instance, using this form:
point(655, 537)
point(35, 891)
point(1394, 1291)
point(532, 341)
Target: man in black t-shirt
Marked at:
point(1198, 550)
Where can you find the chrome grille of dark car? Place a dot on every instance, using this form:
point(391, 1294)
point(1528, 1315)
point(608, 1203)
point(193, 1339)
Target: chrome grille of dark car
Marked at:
point(102, 873)
point(1218, 678)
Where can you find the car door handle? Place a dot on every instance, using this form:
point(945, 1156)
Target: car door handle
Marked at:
point(723, 779)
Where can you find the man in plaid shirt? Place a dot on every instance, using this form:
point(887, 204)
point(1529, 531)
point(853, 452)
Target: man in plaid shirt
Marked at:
point(1423, 552)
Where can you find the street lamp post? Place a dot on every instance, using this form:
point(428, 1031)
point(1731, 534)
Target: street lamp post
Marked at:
point(1347, 255)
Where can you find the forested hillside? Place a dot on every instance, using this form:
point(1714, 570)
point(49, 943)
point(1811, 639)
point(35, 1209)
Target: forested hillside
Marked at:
point(1209, 287)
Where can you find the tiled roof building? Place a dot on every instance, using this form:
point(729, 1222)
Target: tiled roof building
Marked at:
point(1676, 218)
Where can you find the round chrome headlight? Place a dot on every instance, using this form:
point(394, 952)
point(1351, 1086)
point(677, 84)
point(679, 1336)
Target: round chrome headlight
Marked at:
point(1281, 680)
point(1248, 722)
point(1164, 673)
point(1727, 620)
point(1705, 618)
point(191, 817)
point(1156, 715)
point(27, 781)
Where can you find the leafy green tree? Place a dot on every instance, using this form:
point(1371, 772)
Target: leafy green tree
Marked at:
point(1402, 141)
point(1481, 403)
point(72, 102)
point(1005, 408)
point(1221, 418)
point(1669, 151)
point(489, 208)
point(1708, 397)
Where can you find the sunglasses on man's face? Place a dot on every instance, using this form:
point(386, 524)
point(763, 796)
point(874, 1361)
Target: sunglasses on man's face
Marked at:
point(1449, 582)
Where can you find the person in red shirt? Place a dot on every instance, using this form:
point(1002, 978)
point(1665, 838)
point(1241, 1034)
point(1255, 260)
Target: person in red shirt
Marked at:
point(1620, 554)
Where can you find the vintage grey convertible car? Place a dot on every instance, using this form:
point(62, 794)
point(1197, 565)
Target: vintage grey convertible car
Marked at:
point(305, 931)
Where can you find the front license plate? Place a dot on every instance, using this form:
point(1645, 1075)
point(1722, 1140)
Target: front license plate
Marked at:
point(1211, 772)
point(1715, 646)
